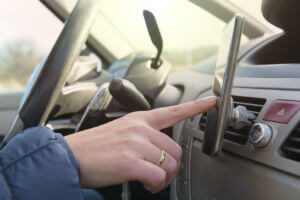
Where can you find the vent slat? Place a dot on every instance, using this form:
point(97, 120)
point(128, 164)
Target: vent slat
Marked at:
point(292, 150)
point(248, 104)
point(295, 140)
point(254, 112)
point(235, 138)
point(204, 117)
point(236, 134)
point(202, 124)
point(297, 129)
point(254, 105)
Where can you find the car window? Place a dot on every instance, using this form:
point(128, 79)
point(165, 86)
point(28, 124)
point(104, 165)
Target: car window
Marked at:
point(28, 31)
point(190, 33)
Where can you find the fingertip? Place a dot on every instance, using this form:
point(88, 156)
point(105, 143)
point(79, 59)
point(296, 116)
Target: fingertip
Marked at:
point(204, 104)
point(209, 99)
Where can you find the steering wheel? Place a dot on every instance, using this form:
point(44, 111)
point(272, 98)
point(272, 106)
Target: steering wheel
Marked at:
point(42, 92)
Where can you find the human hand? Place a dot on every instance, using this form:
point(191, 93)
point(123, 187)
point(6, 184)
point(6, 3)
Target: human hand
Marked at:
point(130, 147)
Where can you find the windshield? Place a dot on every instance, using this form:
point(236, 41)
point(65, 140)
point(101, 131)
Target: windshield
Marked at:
point(190, 33)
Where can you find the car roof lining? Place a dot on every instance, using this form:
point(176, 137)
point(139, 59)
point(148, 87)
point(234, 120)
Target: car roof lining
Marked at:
point(226, 10)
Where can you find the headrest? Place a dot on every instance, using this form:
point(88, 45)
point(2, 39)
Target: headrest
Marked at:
point(284, 14)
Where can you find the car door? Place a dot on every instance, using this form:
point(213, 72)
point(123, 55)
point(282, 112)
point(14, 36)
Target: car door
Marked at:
point(28, 31)
point(8, 108)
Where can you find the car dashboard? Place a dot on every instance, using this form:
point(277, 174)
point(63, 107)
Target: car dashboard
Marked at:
point(267, 82)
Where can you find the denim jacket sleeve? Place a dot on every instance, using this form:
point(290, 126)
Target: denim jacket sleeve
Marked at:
point(38, 165)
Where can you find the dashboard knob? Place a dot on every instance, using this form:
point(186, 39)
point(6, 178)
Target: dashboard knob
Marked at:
point(260, 135)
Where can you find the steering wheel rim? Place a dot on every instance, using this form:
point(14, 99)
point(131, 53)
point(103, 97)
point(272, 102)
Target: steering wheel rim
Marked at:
point(43, 93)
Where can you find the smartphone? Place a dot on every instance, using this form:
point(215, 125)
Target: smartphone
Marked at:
point(219, 117)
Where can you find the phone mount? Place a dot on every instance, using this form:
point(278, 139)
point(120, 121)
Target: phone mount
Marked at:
point(238, 118)
point(241, 117)
point(224, 115)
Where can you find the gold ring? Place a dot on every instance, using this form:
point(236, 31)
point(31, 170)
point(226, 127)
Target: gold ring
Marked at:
point(162, 158)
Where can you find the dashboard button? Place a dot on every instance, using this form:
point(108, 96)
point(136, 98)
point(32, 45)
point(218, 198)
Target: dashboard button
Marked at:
point(282, 111)
point(260, 135)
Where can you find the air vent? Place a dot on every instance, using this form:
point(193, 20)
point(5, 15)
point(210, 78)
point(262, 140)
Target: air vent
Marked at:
point(202, 123)
point(291, 147)
point(254, 105)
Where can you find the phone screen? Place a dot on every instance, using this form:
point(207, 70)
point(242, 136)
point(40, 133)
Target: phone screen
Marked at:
point(224, 74)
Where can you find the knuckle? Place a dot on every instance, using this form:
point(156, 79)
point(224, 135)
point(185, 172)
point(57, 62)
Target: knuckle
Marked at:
point(129, 157)
point(178, 152)
point(135, 143)
point(133, 116)
point(131, 141)
point(172, 166)
point(127, 154)
point(138, 127)
point(133, 160)
point(129, 116)
point(126, 157)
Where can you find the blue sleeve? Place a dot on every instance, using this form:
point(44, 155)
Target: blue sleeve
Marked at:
point(38, 165)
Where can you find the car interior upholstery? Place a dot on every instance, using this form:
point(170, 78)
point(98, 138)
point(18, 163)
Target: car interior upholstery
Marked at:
point(267, 83)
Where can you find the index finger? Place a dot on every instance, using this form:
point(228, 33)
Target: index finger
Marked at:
point(161, 118)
